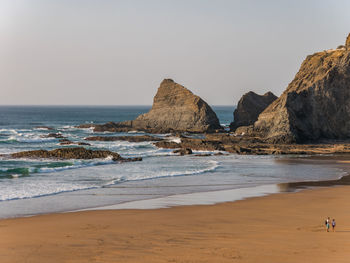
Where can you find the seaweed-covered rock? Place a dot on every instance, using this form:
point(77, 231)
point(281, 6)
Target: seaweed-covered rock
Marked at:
point(70, 153)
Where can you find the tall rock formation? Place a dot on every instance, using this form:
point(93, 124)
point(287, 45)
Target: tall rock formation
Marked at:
point(315, 105)
point(176, 108)
point(249, 107)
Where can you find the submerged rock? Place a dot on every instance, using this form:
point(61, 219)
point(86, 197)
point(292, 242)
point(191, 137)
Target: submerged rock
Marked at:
point(315, 105)
point(69, 142)
point(71, 153)
point(175, 109)
point(53, 135)
point(249, 107)
point(185, 151)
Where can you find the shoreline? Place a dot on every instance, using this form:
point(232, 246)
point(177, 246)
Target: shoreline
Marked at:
point(59, 202)
point(286, 226)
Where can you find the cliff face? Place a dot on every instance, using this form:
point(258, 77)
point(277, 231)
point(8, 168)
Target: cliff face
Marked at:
point(315, 105)
point(249, 107)
point(175, 108)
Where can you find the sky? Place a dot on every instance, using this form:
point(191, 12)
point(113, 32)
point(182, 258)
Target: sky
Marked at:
point(104, 52)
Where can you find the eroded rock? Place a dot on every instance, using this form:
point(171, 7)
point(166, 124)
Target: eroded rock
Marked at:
point(249, 107)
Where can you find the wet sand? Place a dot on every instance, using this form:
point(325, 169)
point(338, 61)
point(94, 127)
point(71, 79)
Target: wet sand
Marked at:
point(284, 227)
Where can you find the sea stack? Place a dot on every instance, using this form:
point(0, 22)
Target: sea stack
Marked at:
point(315, 105)
point(249, 107)
point(175, 108)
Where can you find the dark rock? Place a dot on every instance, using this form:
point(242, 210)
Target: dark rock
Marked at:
point(184, 151)
point(83, 143)
point(53, 135)
point(141, 138)
point(249, 107)
point(70, 153)
point(167, 145)
point(315, 105)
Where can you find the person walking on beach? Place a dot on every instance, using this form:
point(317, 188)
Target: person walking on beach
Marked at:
point(333, 224)
point(327, 222)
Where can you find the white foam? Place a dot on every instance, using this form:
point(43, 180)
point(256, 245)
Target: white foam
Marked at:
point(29, 138)
point(8, 131)
point(174, 139)
point(42, 129)
point(133, 132)
point(77, 164)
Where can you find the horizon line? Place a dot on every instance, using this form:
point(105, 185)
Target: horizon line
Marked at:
point(92, 105)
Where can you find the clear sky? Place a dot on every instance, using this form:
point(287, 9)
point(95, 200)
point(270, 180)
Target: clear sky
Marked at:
point(96, 52)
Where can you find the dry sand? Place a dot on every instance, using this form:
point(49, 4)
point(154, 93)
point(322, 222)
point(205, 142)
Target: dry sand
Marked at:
point(277, 228)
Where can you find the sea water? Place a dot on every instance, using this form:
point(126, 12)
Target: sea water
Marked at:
point(32, 186)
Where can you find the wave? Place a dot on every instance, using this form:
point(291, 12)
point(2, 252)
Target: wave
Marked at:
point(8, 131)
point(213, 166)
point(42, 129)
point(108, 160)
point(122, 145)
point(45, 187)
point(28, 138)
point(52, 167)
point(29, 192)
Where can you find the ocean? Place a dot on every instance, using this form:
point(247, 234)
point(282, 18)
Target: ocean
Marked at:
point(30, 186)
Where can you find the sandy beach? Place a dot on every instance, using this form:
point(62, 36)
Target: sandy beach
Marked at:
point(277, 228)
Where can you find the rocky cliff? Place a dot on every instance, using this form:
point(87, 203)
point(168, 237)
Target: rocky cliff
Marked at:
point(315, 105)
point(175, 109)
point(249, 107)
